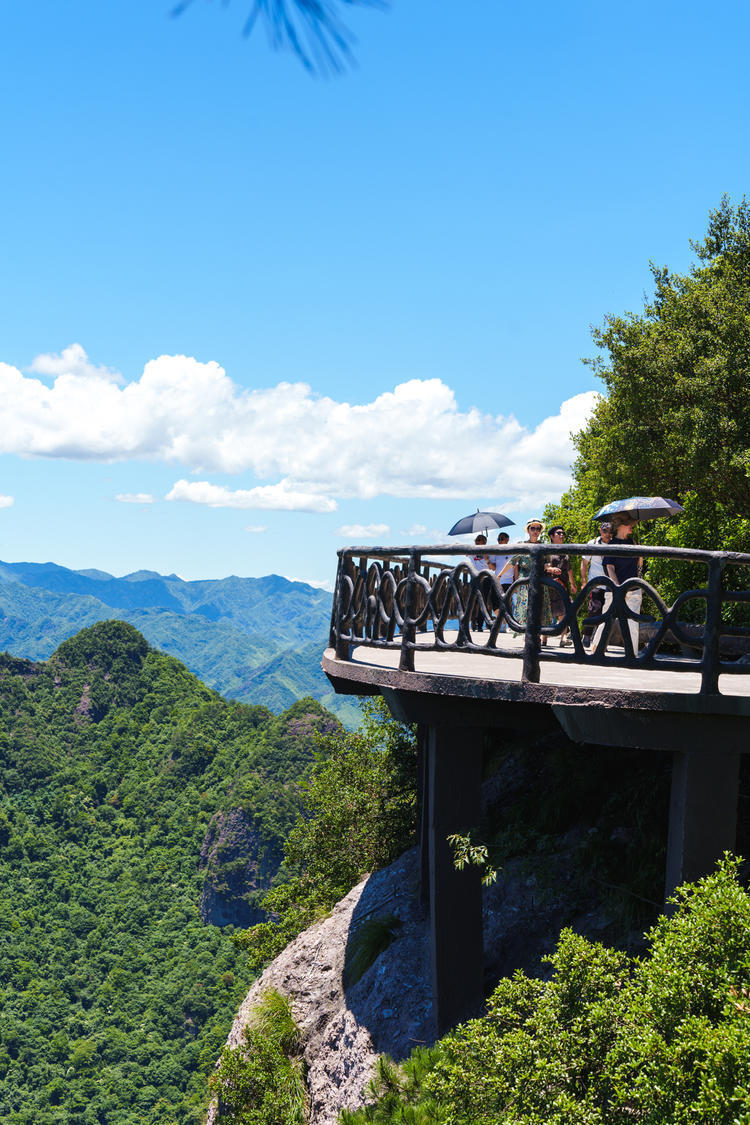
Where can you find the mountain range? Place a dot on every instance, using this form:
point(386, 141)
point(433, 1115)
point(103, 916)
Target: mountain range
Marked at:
point(258, 640)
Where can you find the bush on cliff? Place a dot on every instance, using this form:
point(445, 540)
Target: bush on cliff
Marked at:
point(609, 1040)
point(262, 1082)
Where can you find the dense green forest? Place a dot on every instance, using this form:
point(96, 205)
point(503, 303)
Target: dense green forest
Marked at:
point(118, 765)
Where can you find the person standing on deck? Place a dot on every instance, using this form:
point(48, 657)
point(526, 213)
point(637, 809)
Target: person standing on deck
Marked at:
point(504, 575)
point(592, 566)
point(558, 568)
point(480, 563)
point(620, 568)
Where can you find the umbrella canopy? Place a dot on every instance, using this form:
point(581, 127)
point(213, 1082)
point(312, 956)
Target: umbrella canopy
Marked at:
point(480, 521)
point(642, 507)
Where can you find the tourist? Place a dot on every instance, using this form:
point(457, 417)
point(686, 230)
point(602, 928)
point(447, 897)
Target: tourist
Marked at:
point(557, 567)
point(620, 568)
point(521, 565)
point(504, 575)
point(592, 566)
point(480, 563)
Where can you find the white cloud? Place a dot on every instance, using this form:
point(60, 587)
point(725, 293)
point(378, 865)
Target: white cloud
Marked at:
point(363, 531)
point(326, 585)
point(256, 529)
point(284, 496)
point(310, 450)
point(135, 498)
point(6, 501)
point(73, 361)
point(415, 529)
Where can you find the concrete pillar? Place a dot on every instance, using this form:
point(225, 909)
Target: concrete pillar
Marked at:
point(454, 777)
point(702, 812)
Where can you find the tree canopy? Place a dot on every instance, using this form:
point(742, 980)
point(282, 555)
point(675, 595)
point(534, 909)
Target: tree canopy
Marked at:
point(675, 416)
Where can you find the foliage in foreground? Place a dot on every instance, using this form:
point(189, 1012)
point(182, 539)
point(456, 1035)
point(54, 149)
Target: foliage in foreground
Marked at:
point(609, 1040)
point(360, 804)
point(262, 1082)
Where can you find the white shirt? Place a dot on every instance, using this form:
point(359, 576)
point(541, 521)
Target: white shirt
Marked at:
point(481, 562)
point(500, 561)
point(596, 562)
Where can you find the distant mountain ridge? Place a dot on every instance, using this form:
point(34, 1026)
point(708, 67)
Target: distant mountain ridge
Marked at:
point(258, 640)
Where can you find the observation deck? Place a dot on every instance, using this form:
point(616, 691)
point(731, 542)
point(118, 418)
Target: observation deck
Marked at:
point(422, 627)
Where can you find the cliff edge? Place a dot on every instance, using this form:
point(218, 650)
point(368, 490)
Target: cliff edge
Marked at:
point(344, 1029)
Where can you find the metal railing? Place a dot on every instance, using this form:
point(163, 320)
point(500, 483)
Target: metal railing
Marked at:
point(385, 596)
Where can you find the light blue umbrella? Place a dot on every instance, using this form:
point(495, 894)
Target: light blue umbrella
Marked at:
point(642, 507)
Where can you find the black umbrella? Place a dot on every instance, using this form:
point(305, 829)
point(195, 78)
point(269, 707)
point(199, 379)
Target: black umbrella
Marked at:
point(480, 522)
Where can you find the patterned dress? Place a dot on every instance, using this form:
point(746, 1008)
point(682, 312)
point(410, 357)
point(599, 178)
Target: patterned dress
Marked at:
point(521, 596)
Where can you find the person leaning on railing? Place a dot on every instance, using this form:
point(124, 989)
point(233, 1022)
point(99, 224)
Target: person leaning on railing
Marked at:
point(620, 568)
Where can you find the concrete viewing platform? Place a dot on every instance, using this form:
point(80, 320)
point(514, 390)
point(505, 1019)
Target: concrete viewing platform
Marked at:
point(499, 669)
point(404, 626)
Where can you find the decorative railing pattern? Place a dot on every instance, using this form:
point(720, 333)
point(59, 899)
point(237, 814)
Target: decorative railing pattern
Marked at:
point(384, 597)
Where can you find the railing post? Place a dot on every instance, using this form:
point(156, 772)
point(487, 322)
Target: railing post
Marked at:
point(408, 632)
point(342, 646)
point(334, 608)
point(530, 671)
point(712, 630)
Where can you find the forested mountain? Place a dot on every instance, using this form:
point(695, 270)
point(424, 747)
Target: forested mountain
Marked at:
point(133, 801)
point(254, 639)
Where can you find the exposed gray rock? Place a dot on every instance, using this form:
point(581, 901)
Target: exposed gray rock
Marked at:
point(237, 863)
point(388, 1010)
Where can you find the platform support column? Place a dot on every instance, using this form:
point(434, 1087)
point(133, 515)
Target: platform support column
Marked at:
point(454, 778)
point(702, 813)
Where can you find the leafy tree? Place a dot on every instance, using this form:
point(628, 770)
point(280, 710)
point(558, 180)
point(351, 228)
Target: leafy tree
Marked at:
point(675, 417)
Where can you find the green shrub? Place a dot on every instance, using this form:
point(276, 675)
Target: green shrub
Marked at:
point(262, 1082)
point(609, 1040)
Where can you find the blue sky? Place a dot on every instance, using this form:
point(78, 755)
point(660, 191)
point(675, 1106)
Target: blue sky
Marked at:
point(449, 218)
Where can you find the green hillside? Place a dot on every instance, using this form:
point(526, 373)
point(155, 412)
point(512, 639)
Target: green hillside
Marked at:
point(258, 640)
point(130, 795)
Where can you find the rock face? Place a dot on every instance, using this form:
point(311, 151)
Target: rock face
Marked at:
point(389, 1010)
point(236, 863)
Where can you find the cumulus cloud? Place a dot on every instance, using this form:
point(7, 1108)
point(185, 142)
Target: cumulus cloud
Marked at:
point(281, 497)
point(135, 498)
point(6, 501)
point(363, 531)
point(73, 361)
point(410, 442)
point(256, 529)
